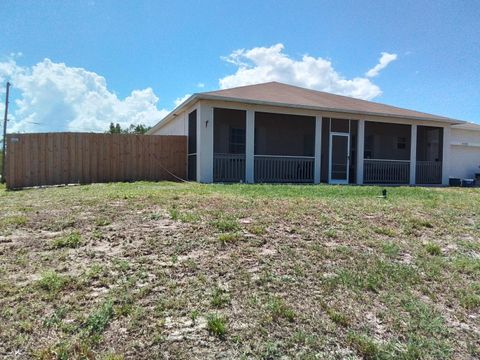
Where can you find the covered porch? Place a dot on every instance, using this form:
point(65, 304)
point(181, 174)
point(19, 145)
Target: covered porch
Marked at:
point(265, 147)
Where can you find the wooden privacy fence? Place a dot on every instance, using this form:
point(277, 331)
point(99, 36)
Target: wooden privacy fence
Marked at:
point(67, 158)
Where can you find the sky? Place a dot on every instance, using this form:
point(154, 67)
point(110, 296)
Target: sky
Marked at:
point(79, 65)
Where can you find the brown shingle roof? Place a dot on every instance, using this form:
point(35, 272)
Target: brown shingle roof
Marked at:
point(283, 94)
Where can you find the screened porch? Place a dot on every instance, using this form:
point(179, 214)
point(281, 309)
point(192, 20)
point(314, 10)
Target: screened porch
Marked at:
point(386, 153)
point(283, 147)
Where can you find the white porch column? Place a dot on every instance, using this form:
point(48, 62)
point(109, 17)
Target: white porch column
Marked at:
point(317, 167)
point(360, 150)
point(250, 147)
point(413, 154)
point(446, 155)
point(205, 143)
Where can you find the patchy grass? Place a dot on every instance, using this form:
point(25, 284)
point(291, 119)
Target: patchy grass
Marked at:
point(133, 270)
point(51, 281)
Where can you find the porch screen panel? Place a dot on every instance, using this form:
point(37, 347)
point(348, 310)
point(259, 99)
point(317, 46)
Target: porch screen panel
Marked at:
point(386, 153)
point(192, 146)
point(429, 155)
point(229, 140)
point(339, 157)
point(284, 148)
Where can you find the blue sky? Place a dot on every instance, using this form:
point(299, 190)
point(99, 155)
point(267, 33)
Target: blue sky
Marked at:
point(77, 65)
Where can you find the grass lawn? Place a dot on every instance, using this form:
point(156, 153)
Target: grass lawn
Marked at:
point(168, 270)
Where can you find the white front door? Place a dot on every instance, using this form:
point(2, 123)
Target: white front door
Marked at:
point(339, 158)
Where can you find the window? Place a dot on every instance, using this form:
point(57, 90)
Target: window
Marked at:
point(237, 141)
point(401, 143)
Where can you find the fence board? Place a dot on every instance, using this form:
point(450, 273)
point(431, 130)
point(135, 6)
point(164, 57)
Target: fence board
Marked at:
point(68, 158)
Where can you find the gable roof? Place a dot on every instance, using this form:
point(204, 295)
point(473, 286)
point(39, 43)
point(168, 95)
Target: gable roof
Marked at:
point(279, 94)
point(283, 94)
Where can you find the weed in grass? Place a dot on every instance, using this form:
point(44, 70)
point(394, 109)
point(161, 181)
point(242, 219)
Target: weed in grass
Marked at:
point(71, 240)
point(331, 233)
point(13, 221)
point(419, 223)
point(56, 318)
point(51, 281)
point(216, 325)
point(25, 326)
point(375, 276)
point(271, 350)
point(121, 265)
point(174, 214)
point(220, 297)
point(470, 297)
point(278, 309)
point(467, 265)
point(338, 317)
point(102, 221)
point(258, 229)
point(391, 249)
point(194, 316)
point(94, 272)
point(364, 345)
point(113, 356)
point(155, 216)
point(99, 319)
point(226, 238)
point(384, 231)
point(226, 224)
point(433, 249)
point(189, 217)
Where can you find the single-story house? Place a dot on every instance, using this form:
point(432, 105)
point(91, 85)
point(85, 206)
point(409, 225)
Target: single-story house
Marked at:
point(274, 132)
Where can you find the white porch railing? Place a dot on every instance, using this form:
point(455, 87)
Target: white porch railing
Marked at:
point(380, 171)
point(228, 167)
point(287, 169)
point(429, 172)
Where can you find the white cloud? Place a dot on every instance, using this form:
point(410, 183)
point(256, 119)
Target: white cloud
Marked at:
point(180, 100)
point(385, 59)
point(53, 96)
point(262, 64)
point(200, 85)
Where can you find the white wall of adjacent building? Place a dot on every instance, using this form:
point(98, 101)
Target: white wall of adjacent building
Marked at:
point(464, 151)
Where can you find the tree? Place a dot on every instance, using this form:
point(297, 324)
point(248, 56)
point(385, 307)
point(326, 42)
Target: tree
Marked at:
point(132, 129)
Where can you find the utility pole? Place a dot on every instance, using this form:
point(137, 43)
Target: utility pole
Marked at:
point(4, 144)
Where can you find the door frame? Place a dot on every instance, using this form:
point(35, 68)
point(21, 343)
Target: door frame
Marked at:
point(338, 181)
